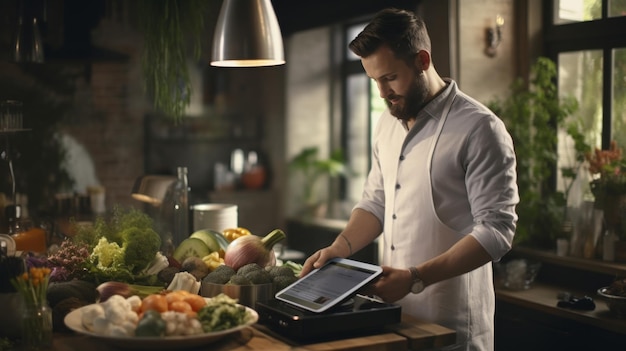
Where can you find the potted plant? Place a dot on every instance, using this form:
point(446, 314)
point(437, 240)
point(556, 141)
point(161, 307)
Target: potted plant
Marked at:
point(528, 113)
point(311, 170)
point(608, 185)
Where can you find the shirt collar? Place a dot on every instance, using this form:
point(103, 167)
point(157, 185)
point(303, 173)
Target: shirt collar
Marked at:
point(434, 107)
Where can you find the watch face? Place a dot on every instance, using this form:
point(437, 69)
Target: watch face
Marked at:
point(418, 284)
point(417, 287)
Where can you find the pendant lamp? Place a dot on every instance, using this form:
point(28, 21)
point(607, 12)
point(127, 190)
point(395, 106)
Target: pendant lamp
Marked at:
point(247, 34)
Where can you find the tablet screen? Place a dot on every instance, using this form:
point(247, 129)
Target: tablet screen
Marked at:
point(325, 287)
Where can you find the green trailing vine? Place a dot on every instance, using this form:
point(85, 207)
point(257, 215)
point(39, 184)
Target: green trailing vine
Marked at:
point(169, 28)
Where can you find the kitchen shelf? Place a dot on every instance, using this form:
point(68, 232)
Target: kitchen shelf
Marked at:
point(584, 264)
point(14, 130)
point(542, 297)
point(531, 320)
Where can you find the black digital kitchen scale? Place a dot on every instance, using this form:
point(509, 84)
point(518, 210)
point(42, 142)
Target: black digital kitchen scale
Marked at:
point(358, 315)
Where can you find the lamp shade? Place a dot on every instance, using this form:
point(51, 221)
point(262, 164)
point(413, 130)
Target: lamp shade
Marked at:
point(151, 188)
point(247, 34)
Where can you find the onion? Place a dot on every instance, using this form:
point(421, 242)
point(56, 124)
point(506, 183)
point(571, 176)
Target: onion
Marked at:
point(253, 249)
point(110, 288)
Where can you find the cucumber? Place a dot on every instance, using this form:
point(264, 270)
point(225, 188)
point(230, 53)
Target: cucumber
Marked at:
point(191, 247)
point(213, 239)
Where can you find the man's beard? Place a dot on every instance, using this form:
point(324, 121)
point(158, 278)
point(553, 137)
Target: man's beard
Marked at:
point(412, 102)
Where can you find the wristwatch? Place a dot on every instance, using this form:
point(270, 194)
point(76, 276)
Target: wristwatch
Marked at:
point(417, 285)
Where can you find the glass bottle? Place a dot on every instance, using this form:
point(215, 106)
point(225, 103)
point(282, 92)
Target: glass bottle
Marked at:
point(180, 207)
point(608, 245)
point(13, 214)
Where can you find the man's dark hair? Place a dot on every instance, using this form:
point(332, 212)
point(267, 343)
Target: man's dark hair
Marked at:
point(403, 31)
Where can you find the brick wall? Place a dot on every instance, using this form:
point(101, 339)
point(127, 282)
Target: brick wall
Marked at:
point(110, 105)
point(110, 129)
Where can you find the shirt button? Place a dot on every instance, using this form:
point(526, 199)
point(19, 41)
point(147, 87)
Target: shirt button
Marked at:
point(393, 248)
point(397, 186)
point(401, 157)
point(394, 216)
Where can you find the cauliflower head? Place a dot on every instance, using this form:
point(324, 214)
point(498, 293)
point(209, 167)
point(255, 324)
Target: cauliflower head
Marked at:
point(107, 254)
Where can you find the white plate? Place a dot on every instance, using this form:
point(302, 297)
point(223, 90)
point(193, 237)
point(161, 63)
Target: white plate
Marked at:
point(73, 321)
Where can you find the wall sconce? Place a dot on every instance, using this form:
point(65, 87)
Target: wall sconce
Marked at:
point(28, 46)
point(494, 37)
point(151, 188)
point(247, 35)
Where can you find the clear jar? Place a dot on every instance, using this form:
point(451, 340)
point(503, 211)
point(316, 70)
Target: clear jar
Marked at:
point(36, 326)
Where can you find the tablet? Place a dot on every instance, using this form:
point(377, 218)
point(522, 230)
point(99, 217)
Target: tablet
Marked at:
point(325, 287)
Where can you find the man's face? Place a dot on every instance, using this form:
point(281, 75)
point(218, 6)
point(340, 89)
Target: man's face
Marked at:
point(401, 85)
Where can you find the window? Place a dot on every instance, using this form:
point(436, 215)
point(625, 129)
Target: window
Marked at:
point(363, 106)
point(356, 120)
point(582, 37)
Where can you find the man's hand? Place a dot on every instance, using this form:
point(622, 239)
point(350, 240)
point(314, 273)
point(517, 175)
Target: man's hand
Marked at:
point(392, 285)
point(320, 257)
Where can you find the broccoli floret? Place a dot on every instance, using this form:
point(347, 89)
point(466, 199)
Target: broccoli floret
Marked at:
point(283, 281)
point(221, 312)
point(216, 278)
point(140, 246)
point(243, 270)
point(220, 275)
point(239, 280)
point(259, 276)
point(124, 218)
point(277, 271)
point(225, 269)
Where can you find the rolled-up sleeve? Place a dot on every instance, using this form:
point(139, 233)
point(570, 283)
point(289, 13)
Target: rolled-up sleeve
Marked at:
point(373, 198)
point(491, 182)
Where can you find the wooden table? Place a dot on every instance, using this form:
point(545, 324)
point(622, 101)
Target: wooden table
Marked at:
point(410, 334)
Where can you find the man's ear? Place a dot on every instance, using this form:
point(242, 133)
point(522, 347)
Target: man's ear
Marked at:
point(422, 60)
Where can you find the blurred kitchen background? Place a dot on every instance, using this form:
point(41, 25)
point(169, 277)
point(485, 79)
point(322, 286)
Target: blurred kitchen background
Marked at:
point(87, 99)
point(90, 129)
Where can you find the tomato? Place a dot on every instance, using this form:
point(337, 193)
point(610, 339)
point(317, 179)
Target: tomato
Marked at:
point(195, 301)
point(178, 295)
point(155, 302)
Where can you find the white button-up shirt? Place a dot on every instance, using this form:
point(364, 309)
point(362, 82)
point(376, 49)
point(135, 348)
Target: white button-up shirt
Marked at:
point(452, 174)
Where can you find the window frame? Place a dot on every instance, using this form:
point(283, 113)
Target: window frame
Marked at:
point(349, 67)
point(597, 34)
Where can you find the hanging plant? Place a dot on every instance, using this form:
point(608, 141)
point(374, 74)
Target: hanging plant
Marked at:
point(169, 27)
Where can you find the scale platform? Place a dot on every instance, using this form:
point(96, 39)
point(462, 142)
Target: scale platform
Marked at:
point(358, 315)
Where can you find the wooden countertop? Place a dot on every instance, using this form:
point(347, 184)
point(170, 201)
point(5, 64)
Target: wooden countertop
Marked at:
point(410, 334)
point(544, 297)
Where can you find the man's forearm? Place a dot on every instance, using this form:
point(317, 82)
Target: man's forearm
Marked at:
point(464, 256)
point(362, 228)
